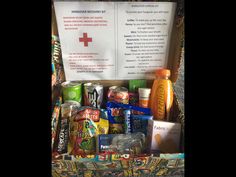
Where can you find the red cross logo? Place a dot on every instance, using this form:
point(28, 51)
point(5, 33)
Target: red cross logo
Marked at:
point(85, 39)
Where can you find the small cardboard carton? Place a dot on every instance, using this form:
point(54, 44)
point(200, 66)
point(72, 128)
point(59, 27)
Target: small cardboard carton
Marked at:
point(163, 137)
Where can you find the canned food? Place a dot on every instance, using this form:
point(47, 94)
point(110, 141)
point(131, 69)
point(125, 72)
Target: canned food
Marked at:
point(111, 93)
point(121, 95)
point(93, 95)
point(72, 92)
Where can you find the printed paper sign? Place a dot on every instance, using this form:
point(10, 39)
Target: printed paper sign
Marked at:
point(114, 40)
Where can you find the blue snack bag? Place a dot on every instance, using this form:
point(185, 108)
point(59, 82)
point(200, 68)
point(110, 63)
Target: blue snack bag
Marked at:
point(116, 119)
point(139, 123)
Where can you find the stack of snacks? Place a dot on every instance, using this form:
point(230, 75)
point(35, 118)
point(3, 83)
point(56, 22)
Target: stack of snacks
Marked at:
point(91, 138)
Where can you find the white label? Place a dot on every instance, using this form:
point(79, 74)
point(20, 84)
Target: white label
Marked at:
point(114, 40)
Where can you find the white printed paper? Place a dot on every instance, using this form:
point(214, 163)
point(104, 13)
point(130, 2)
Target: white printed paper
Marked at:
point(114, 40)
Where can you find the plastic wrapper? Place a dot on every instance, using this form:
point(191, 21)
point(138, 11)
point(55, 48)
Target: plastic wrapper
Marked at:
point(63, 136)
point(139, 123)
point(55, 120)
point(116, 119)
point(128, 143)
point(85, 124)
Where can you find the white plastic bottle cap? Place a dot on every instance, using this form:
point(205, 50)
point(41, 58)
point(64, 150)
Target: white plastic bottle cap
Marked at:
point(144, 92)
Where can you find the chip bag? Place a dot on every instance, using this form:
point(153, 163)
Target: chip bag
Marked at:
point(85, 124)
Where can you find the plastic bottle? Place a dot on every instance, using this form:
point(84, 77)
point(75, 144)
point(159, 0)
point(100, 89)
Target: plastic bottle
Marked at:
point(144, 95)
point(161, 99)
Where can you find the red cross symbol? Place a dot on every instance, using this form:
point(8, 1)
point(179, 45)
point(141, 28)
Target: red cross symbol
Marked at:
point(85, 39)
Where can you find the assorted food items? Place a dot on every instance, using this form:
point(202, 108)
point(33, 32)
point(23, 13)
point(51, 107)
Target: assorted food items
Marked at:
point(92, 129)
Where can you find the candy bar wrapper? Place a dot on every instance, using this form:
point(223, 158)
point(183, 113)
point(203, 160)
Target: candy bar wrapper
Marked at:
point(63, 137)
point(55, 120)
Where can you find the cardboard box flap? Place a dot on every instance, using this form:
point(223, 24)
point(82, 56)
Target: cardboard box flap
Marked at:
point(176, 47)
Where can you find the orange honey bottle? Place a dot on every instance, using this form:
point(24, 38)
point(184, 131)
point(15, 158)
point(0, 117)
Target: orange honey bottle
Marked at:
point(161, 98)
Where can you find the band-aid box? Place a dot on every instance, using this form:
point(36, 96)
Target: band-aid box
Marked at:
point(163, 137)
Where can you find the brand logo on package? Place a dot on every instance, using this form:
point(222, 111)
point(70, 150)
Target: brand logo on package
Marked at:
point(93, 98)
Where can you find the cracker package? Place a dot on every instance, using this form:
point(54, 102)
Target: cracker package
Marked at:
point(163, 137)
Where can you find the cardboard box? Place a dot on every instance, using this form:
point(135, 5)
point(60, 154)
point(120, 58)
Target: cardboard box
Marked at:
point(175, 56)
point(163, 137)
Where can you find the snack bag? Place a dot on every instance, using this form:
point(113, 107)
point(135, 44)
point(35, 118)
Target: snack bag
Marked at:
point(85, 124)
point(139, 123)
point(103, 123)
point(116, 118)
